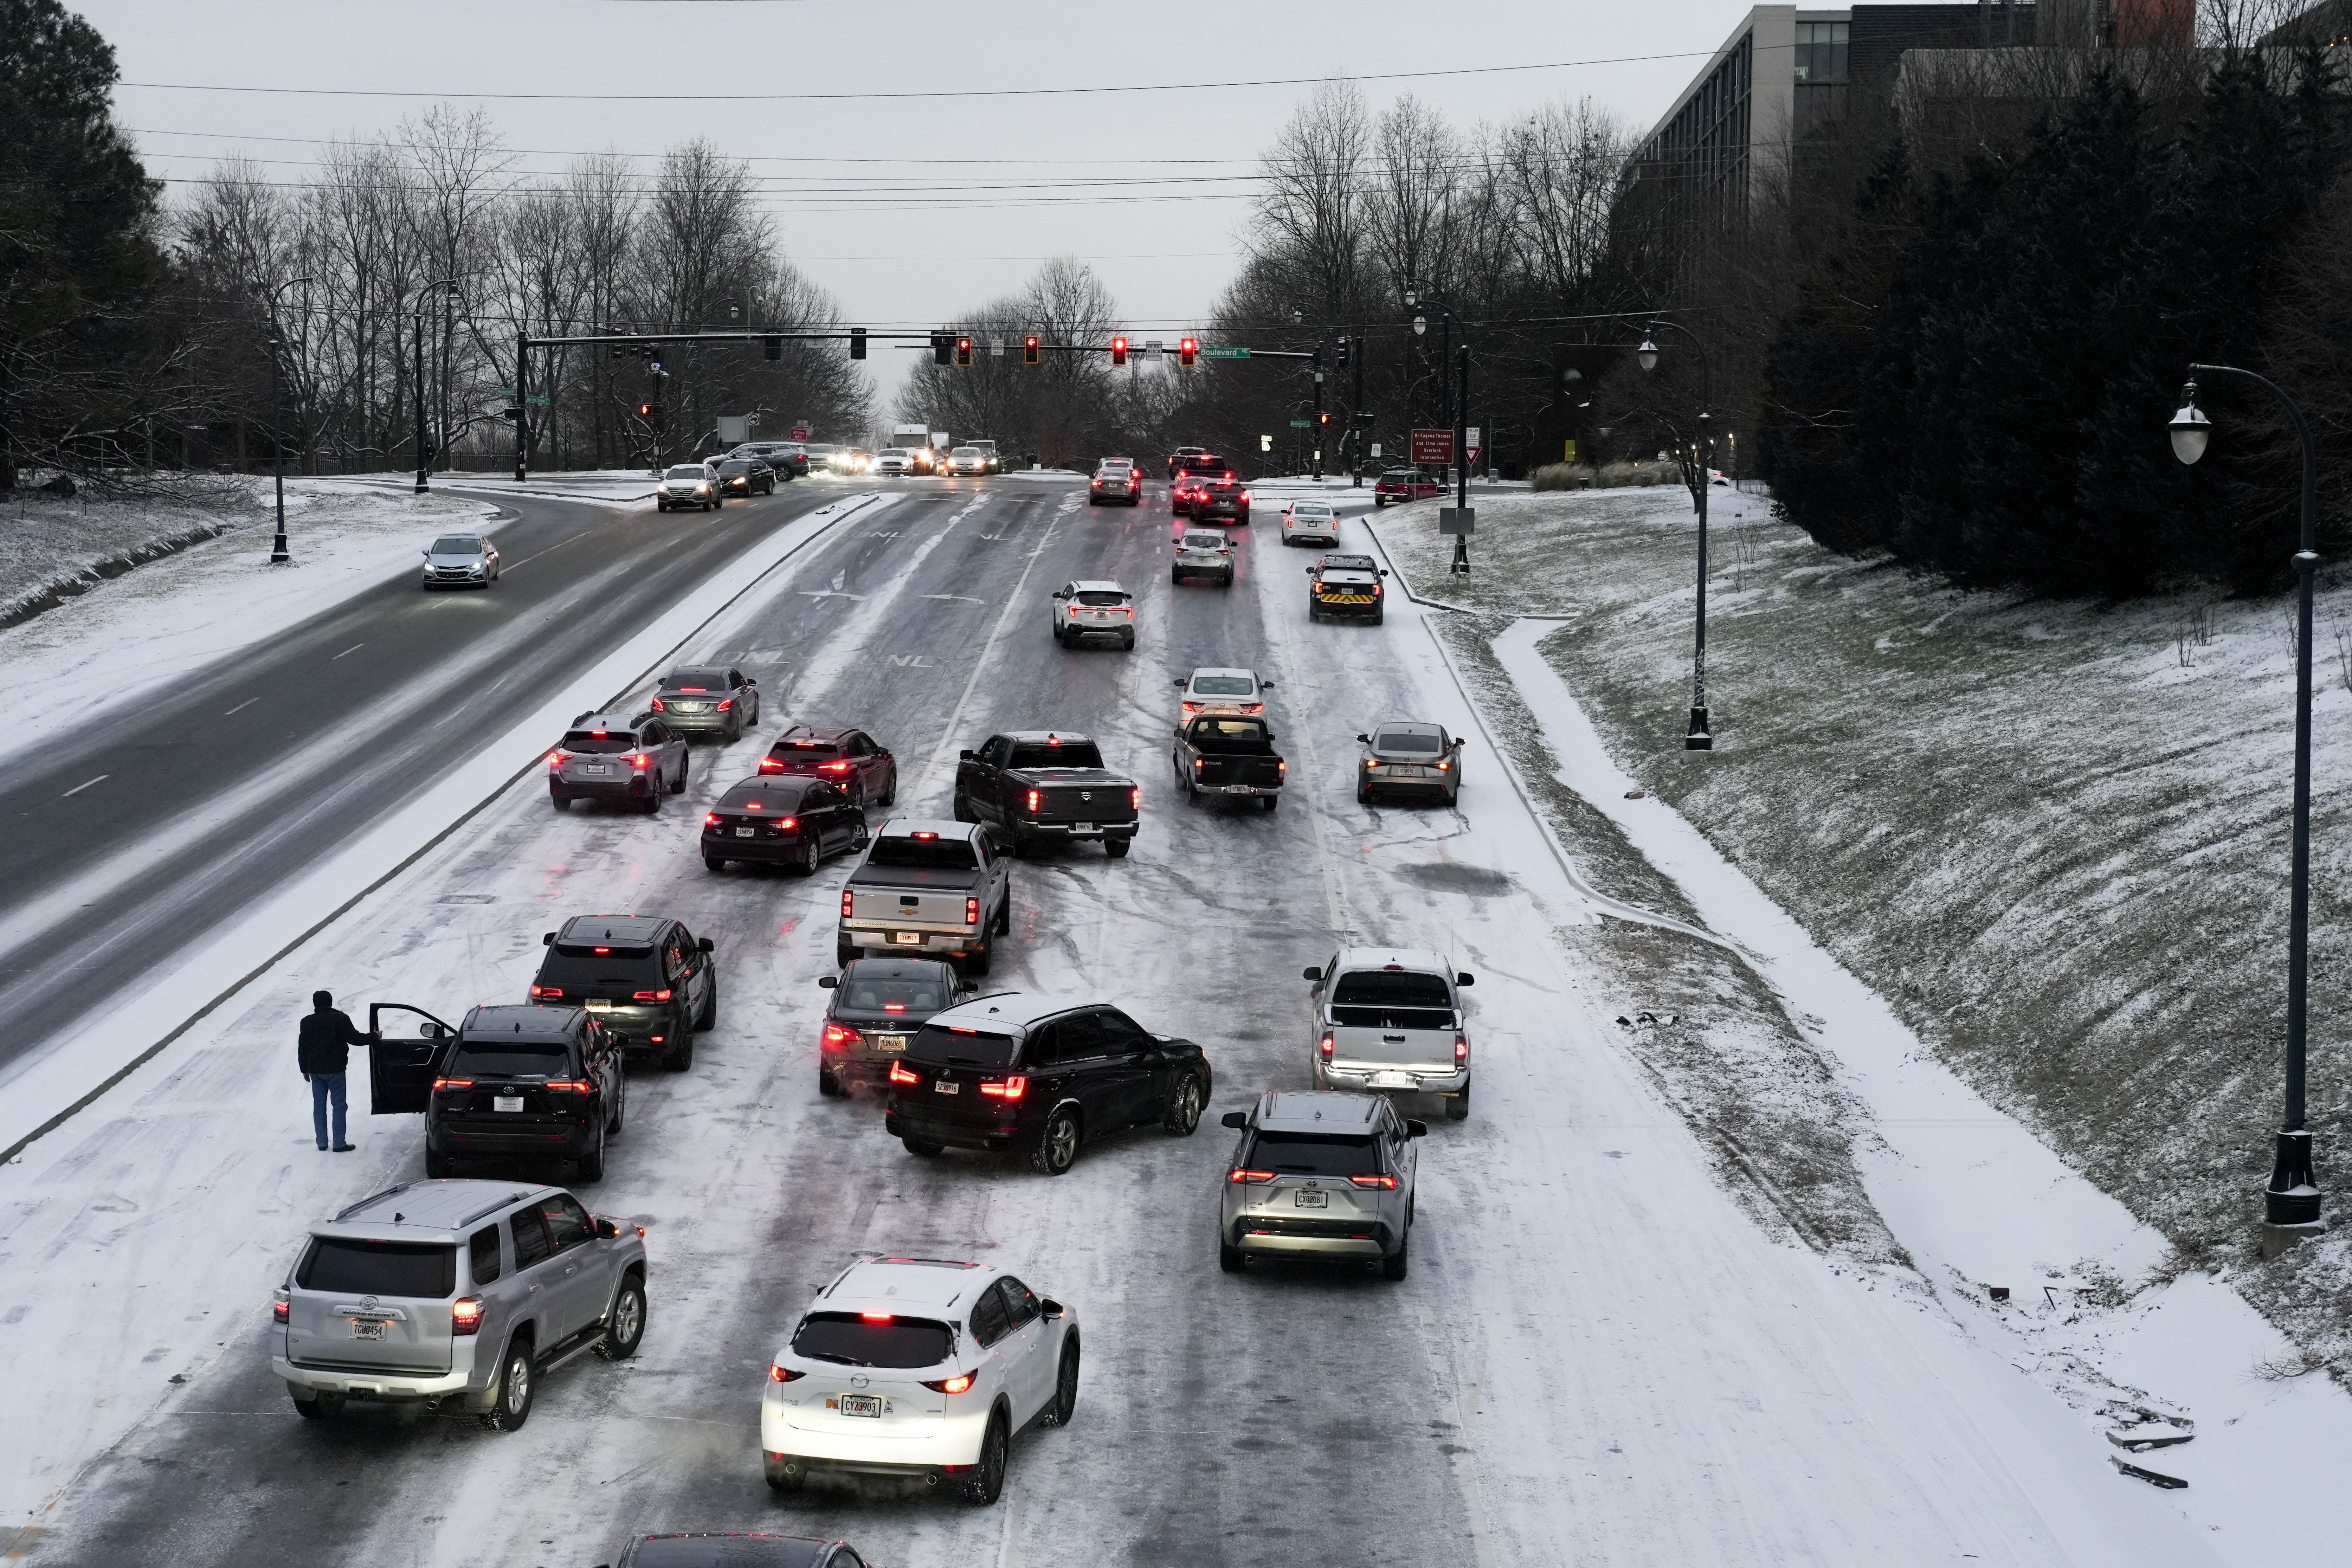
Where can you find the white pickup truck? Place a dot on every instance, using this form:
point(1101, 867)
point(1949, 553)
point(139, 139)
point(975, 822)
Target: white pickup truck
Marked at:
point(927, 890)
point(1391, 1019)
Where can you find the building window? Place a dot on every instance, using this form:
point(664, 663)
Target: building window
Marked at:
point(1820, 52)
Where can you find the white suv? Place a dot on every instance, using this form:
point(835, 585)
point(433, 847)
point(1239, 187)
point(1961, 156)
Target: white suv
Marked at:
point(1084, 607)
point(1390, 1018)
point(919, 1368)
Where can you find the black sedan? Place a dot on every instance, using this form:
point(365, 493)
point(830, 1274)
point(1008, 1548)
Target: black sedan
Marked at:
point(746, 477)
point(877, 1003)
point(781, 820)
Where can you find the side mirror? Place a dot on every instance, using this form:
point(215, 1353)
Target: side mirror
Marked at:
point(610, 1229)
point(1052, 1309)
point(1416, 1129)
point(1364, 738)
point(966, 755)
point(705, 945)
point(1384, 571)
point(1265, 686)
point(426, 553)
point(827, 981)
point(431, 1031)
point(547, 941)
point(1237, 1120)
point(1316, 974)
point(1180, 684)
point(1465, 980)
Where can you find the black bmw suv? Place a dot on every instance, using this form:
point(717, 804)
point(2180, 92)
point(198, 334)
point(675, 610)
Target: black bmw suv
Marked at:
point(1038, 1076)
point(648, 980)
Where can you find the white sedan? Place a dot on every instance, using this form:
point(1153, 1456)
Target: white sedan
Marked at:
point(918, 1368)
point(1217, 690)
point(1310, 522)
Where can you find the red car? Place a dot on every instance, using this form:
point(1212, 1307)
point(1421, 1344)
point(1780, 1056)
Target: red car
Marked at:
point(1402, 485)
point(865, 771)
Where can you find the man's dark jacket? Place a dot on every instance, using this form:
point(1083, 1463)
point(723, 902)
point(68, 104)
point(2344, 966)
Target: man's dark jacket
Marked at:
point(327, 1041)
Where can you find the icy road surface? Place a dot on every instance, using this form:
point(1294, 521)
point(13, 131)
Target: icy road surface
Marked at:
point(1597, 1359)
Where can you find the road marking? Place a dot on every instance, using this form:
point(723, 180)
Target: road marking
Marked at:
point(353, 648)
point(966, 598)
point(242, 706)
point(80, 787)
point(829, 593)
point(912, 661)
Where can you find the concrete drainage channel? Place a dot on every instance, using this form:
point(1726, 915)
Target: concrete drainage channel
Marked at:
point(54, 594)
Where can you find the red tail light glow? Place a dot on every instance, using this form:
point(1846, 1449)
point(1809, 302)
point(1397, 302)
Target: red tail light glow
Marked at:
point(894, 1007)
point(1135, 799)
point(971, 911)
point(1461, 1050)
point(837, 1037)
point(547, 990)
point(441, 1083)
point(557, 759)
point(278, 1308)
point(961, 1380)
point(1281, 766)
point(1324, 1046)
point(769, 766)
point(657, 705)
point(833, 767)
point(570, 1086)
point(922, 833)
point(725, 703)
point(1246, 497)
point(1013, 1088)
point(711, 820)
point(466, 1316)
point(1386, 1183)
point(899, 1074)
point(874, 1317)
point(637, 760)
point(844, 903)
point(1033, 800)
point(1255, 1178)
point(789, 822)
point(662, 995)
point(782, 1374)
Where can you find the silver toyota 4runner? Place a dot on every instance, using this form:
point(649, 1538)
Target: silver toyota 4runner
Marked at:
point(458, 1295)
point(1390, 1018)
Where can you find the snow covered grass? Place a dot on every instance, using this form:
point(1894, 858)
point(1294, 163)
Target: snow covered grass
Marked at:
point(2052, 835)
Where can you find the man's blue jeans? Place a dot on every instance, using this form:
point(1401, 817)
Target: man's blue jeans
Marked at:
point(323, 1086)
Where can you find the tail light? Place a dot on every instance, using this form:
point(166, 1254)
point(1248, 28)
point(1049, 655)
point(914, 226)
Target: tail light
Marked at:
point(637, 760)
point(789, 822)
point(1376, 590)
point(1253, 707)
point(557, 759)
point(899, 1074)
point(1324, 1046)
point(466, 1316)
point(1281, 767)
point(769, 766)
point(571, 1084)
point(1135, 799)
point(782, 1374)
point(1032, 802)
point(1386, 1183)
point(1013, 1088)
point(662, 995)
point(845, 897)
point(725, 703)
point(657, 705)
point(539, 991)
point(971, 911)
point(1461, 1050)
point(1192, 707)
point(441, 1083)
point(1246, 497)
point(837, 1037)
point(1200, 762)
point(961, 1380)
point(711, 820)
point(1253, 1178)
point(1444, 763)
point(833, 767)
point(279, 1307)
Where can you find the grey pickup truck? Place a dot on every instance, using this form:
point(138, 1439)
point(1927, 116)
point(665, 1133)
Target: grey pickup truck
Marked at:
point(927, 890)
point(1044, 786)
point(1229, 758)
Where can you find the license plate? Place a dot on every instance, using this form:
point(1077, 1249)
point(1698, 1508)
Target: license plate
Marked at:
point(597, 1005)
point(941, 1086)
point(1311, 1198)
point(887, 1042)
point(1241, 789)
point(596, 768)
point(742, 833)
point(507, 1101)
point(1083, 827)
point(367, 1328)
point(1393, 1081)
point(907, 938)
point(1404, 772)
point(861, 1405)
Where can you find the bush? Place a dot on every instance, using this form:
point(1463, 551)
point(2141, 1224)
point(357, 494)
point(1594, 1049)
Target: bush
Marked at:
point(1563, 476)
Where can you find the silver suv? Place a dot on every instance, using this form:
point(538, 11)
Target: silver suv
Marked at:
point(1390, 1018)
point(688, 484)
point(1319, 1175)
point(611, 756)
point(458, 1295)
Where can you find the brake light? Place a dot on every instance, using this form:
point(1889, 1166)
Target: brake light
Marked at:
point(899, 1074)
point(782, 1374)
point(1033, 800)
point(837, 1037)
point(725, 703)
point(711, 820)
point(441, 1083)
point(1255, 1178)
point(1461, 1050)
point(1200, 762)
point(1281, 767)
point(570, 1086)
point(894, 1007)
point(971, 911)
point(466, 1316)
point(1135, 799)
point(961, 1380)
point(657, 705)
point(547, 990)
point(1386, 1183)
point(1246, 497)
point(1192, 707)
point(649, 996)
point(874, 1317)
point(556, 759)
point(1324, 1046)
point(833, 767)
point(601, 951)
point(769, 766)
point(922, 833)
point(1013, 1088)
point(637, 760)
point(1253, 707)
point(278, 1308)
point(844, 903)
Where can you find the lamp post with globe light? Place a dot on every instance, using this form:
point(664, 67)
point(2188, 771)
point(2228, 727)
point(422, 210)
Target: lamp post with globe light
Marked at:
point(1700, 737)
point(279, 553)
point(1418, 298)
point(2291, 1202)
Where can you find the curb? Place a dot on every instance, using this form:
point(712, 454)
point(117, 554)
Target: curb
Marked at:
point(54, 594)
point(1406, 583)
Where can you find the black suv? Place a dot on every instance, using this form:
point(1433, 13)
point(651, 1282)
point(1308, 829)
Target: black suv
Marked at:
point(526, 1084)
point(780, 820)
point(877, 1005)
point(644, 977)
point(1037, 1075)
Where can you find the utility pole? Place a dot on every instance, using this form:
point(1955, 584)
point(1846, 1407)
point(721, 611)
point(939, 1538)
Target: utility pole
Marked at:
point(522, 404)
point(1461, 450)
point(1358, 419)
point(1315, 431)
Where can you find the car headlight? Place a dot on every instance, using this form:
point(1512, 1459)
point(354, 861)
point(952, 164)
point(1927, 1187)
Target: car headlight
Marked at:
point(700, 487)
point(477, 568)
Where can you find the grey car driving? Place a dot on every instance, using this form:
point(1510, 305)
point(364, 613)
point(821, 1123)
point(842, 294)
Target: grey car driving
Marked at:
point(1319, 1175)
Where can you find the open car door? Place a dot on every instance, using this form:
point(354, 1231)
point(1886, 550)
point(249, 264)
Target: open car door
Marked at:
point(401, 1062)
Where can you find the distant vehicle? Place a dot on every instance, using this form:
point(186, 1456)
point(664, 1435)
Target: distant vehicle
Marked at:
point(1402, 757)
point(1348, 586)
point(1310, 522)
point(1390, 1018)
point(1318, 1175)
point(777, 455)
point(1192, 466)
point(791, 456)
point(892, 461)
point(877, 1003)
point(850, 460)
point(455, 1296)
point(861, 765)
point(648, 980)
point(634, 760)
point(1229, 758)
point(927, 887)
point(746, 477)
point(1044, 786)
point(727, 1550)
point(987, 450)
point(1400, 485)
point(820, 454)
point(526, 1083)
point(1115, 479)
point(1202, 552)
point(781, 819)
point(1218, 689)
point(911, 437)
point(1176, 459)
point(968, 461)
point(709, 698)
point(685, 485)
point(461, 561)
point(915, 1367)
point(1213, 498)
point(1086, 607)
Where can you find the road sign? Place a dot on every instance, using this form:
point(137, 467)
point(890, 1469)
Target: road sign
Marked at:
point(1433, 446)
point(800, 432)
point(1302, 423)
point(1207, 353)
point(1265, 443)
point(1472, 437)
point(1458, 520)
point(1151, 347)
point(1376, 448)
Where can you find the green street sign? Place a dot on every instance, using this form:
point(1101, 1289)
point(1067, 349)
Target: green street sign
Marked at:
point(1224, 353)
point(1302, 423)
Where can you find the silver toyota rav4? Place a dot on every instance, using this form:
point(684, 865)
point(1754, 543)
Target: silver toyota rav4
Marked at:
point(1319, 1174)
point(458, 1295)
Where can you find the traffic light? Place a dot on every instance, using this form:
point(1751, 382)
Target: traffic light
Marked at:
point(963, 353)
point(1343, 353)
point(1322, 419)
point(645, 410)
point(857, 343)
point(943, 348)
point(1029, 349)
point(1118, 350)
point(1187, 350)
point(775, 347)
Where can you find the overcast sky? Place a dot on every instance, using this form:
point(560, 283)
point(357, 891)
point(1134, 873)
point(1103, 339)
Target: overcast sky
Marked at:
point(909, 236)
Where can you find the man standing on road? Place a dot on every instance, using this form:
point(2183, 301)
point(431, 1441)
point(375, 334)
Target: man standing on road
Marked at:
point(324, 1055)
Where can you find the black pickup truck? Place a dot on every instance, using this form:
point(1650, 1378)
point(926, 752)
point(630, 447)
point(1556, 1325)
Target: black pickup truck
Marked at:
point(1233, 758)
point(1043, 786)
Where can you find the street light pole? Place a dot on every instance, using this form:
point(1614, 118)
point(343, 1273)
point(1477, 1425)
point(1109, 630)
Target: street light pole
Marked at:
point(1700, 737)
point(1461, 421)
point(279, 553)
point(417, 310)
point(2291, 1202)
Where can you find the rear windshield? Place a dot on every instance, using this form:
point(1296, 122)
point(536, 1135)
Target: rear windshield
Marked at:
point(695, 680)
point(685, 471)
point(1096, 598)
point(1229, 735)
point(1313, 1154)
point(1204, 541)
point(1206, 463)
point(379, 1268)
point(933, 854)
point(582, 971)
point(1405, 740)
point(734, 467)
point(852, 1340)
point(1068, 754)
point(1223, 685)
point(765, 794)
point(601, 742)
point(1347, 564)
point(961, 1047)
point(1310, 509)
point(1392, 999)
point(457, 544)
point(882, 994)
point(511, 1059)
point(804, 750)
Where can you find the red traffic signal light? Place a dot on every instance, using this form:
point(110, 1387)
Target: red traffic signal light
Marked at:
point(1187, 350)
point(1029, 349)
point(1118, 350)
point(645, 410)
point(963, 353)
point(1322, 419)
